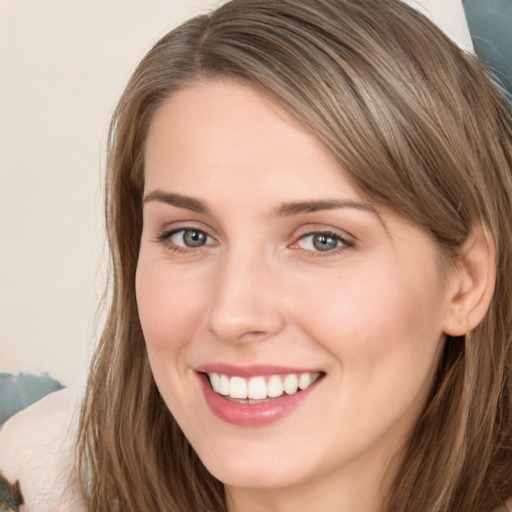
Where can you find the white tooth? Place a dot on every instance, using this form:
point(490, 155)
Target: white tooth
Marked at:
point(315, 377)
point(257, 389)
point(223, 385)
point(274, 386)
point(237, 387)
point(291, 383)
point(304, 380)
point(214, 381)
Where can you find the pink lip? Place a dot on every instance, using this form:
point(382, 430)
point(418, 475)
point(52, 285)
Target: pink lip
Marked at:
point(251, 370)
point(256, 414)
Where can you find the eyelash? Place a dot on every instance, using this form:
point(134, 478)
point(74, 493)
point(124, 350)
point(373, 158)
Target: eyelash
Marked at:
point(165, 239)
point(344, 243)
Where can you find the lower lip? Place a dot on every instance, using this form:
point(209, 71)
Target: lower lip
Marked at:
point(256, 414)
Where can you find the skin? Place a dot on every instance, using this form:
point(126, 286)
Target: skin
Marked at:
point(370, 313)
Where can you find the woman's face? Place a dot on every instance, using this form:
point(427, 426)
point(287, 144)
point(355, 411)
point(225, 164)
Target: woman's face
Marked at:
point(262, 271)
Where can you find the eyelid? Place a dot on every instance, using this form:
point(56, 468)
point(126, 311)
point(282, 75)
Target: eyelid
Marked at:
point(168, 233)
point(163, 231)
point(184, 231)
point(347, 241)
point(311, 229)
point(164, 237)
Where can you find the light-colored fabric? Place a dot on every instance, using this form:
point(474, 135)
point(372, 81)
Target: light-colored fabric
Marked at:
point(37, 448)
point(449, 16)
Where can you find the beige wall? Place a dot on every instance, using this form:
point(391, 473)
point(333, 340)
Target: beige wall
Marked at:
point(63, 63)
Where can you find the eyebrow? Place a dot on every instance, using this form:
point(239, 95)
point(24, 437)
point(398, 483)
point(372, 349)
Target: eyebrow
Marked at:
point(284, 210)
point(300, 207)
point(178, 200)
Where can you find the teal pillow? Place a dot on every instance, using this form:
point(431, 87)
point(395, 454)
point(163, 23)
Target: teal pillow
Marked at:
point(490, 24)
point(19, 391)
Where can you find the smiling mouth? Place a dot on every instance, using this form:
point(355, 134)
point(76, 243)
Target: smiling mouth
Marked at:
point(261, 388)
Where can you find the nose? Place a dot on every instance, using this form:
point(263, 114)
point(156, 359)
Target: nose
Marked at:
point(245, 303)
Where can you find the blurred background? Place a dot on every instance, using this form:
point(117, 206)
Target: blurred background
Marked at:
point(63, 64)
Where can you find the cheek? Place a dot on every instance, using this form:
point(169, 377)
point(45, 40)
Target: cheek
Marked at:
point(383, 335)
point(375, 323)
point(170, 313)
point(169, 308)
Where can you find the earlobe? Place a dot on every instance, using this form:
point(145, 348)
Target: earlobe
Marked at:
point(473, 283)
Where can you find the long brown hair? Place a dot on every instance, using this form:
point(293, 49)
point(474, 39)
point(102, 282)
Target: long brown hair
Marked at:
point(420, 129)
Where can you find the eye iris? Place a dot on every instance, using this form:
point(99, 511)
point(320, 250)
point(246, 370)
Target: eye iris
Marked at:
point(193, 238)
point(324, 242)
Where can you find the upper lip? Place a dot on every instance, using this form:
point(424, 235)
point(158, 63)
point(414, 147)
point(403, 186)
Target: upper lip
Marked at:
point(249, 371)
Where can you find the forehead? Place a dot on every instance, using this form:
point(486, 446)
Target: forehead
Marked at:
point(221, 132)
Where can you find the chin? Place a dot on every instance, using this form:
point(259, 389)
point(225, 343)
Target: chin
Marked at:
point(254, 469)
point(251, 477)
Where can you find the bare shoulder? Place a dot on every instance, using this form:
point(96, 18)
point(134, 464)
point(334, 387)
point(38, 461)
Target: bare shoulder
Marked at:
point(37, 450)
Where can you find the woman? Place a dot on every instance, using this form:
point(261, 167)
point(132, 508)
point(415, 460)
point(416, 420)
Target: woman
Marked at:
point(308, 206)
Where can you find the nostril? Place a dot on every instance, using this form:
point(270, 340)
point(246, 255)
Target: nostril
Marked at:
point(240, 330)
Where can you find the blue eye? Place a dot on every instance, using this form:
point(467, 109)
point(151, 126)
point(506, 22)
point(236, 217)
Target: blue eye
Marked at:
point(322, 242)
point(190, 238)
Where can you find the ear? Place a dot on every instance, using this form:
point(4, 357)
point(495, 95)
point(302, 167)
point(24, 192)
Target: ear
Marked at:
point(471, 284)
